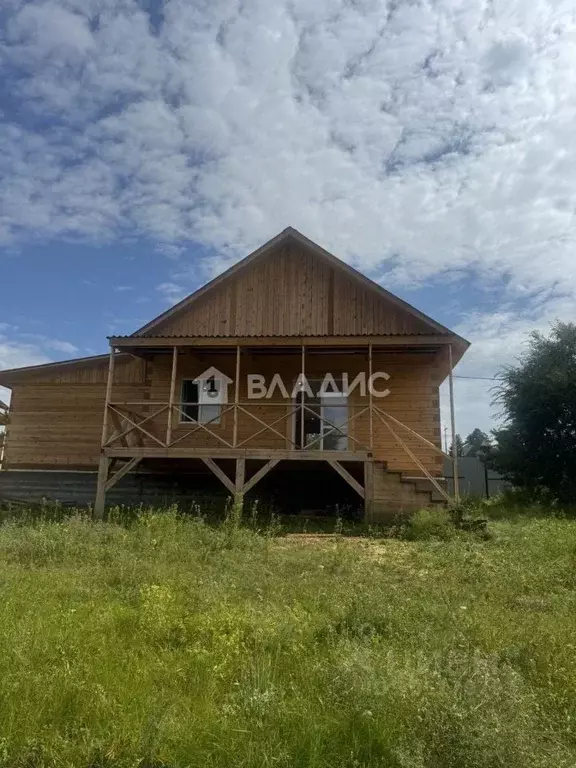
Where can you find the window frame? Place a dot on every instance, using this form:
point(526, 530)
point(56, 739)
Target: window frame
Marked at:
point(185, 419)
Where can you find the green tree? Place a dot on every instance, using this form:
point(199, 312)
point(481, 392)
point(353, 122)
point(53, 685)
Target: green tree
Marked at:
point(459, 446)
point(476, 443)
point(536, 448)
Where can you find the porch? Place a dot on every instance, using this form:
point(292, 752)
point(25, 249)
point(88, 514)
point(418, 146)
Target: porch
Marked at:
point(290, 423)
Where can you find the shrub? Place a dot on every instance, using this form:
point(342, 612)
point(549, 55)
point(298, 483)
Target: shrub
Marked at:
point(429, 524)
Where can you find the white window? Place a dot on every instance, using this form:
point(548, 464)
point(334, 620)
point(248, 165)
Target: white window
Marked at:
point(201, 401)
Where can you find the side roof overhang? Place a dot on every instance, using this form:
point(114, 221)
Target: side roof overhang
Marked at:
point(10, 376)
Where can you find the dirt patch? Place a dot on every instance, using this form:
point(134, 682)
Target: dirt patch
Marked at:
point(381, 551)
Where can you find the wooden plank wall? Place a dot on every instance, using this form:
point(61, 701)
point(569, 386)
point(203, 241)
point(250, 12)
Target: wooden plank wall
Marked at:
point(56, 420)
point(56, 423)
point(291, 293)
point(413, 399)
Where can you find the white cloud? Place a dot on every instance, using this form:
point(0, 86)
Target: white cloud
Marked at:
point(440, 135)
point(61, 346)
point(498, 339)
point(47, 343)
point(16, 354)
point(429, 138)
point(48, 30)
point(171, 292)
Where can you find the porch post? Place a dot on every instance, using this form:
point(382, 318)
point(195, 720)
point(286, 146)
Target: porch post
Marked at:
point(453, 423)
point(239, 482)
point(172, 394)
point(370, 403)
point(100, 501)
point(104, 462)
point(368, 491)
point(108, 396)
point(302, 374)
point(236, 397)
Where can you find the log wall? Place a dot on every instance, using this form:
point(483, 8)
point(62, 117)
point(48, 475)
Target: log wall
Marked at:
point(56, 421)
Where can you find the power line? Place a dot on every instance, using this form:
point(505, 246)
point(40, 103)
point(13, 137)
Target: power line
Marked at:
point(477, 378)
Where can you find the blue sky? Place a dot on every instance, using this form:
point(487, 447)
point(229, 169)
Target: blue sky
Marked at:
point(148, 145)
point(80, 294)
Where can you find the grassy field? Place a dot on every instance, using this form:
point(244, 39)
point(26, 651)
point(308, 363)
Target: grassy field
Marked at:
point(171, 643)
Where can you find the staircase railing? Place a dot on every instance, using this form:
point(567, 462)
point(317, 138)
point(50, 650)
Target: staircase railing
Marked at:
point(386, 418)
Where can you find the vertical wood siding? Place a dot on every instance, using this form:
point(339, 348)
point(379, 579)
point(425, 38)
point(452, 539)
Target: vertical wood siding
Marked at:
point(291, 292)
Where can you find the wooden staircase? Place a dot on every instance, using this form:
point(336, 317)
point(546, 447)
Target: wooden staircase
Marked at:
point(400, 493)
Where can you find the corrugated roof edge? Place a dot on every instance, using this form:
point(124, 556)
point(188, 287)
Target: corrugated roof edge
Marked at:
point(12, 372)
point(282, 336)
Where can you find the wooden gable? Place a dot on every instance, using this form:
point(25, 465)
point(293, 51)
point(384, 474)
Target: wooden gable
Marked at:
point(291, 287)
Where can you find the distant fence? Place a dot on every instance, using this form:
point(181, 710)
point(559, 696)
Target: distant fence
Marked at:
point(474, 478)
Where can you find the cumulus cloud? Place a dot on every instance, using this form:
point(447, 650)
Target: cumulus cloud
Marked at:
point(47, 343)
point(498, 340)
point(414, 139)
point(171, 292)
point(16, 354)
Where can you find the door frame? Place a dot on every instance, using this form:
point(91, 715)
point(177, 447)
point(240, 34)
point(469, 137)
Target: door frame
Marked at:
point(320, 445)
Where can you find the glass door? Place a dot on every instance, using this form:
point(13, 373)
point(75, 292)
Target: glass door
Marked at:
point(325, 421)
point(334, 414)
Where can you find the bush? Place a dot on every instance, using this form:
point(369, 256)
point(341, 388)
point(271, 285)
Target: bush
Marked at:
point(427, 524)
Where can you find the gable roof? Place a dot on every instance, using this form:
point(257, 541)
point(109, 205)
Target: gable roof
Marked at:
point(292, 236)
point(427, 326)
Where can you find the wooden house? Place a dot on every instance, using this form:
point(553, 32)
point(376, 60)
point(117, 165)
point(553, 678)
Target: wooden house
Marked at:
point(290, 364)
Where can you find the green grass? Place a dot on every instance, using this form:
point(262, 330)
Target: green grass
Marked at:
point(168, 642)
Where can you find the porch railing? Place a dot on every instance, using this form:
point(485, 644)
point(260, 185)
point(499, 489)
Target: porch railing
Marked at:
point(129, 424)
point(162, 424)
point(134, 421)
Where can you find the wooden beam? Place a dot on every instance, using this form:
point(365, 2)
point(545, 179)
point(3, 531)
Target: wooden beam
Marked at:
point(100, 501)
point(369, 491)
point(416, 460)
point(236, 398)
point(239, 485)
point(370, 399)
point(240, 475)
point(234, 453)
point(224, 479)
point(203, 426)
point(120, 434)
point(347, 476)
point(266, 426)
point(453, 424)
point(138, 425)
point(302, 430)
point(111, 482)
point(259, 475)
point(413, 432)
point(108, 395)
point(172, 393)
point(286, 341)
point(113, 408)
